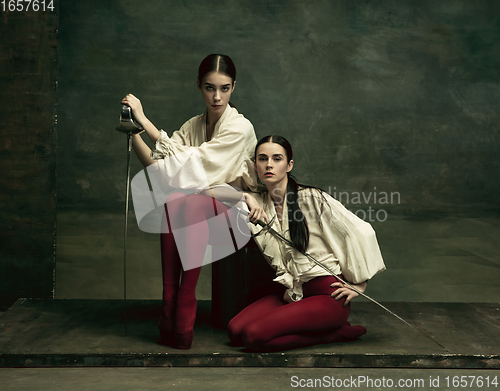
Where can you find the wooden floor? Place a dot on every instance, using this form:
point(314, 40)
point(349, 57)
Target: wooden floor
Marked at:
point(56, 332)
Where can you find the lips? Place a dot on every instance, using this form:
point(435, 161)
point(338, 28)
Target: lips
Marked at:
point(269, 174)
point(216, 106)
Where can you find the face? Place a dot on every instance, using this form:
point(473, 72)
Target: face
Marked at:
point(271, 164)
point(216, 89)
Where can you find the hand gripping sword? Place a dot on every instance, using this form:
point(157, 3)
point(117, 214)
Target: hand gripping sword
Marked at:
point(272, 231)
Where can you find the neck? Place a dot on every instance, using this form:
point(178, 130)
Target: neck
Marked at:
point(212, 118)
point(278, 191)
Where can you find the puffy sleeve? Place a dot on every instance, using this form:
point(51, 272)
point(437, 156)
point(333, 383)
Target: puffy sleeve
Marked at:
point(163, 147)
point(222, 160)
point(352, 240)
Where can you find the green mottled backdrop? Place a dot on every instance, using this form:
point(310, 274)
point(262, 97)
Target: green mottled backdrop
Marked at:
point(375, 96)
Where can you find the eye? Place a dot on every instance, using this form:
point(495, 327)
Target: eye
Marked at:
point(225, 89)
point(209, 88)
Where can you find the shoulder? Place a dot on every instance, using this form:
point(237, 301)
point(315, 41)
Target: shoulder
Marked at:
point(192, 123)
point(317, 199)
point(311, 193)
point(238, 122)
point(197, 120)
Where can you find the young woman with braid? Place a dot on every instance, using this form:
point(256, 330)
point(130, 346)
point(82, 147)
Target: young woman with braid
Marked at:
point(211, 149)
point(308, 313)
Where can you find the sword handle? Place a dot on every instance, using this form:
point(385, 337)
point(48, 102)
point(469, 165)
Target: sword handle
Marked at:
point(262, 223)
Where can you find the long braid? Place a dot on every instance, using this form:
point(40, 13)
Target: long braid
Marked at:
point(297, 223)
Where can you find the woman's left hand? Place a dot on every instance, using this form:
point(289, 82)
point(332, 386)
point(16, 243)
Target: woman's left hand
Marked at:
point(344, 291)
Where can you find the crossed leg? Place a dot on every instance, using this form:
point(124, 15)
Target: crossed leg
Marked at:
point(272, 325)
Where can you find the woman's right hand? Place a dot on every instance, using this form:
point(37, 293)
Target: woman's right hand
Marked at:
point(256, 211)
point(137, 111)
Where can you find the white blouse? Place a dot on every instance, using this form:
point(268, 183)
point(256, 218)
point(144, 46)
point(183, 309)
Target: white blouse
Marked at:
point(187, 160)
point(337, 238)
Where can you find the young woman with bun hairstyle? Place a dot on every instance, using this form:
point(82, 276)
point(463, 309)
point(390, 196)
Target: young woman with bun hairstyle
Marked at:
point(309, 312)
point(214, 148)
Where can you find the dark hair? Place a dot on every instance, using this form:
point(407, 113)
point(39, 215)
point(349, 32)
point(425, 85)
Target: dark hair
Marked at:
point(297, 223)
point(217, 63)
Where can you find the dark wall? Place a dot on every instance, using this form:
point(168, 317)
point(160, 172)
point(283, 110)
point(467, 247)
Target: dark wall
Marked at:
point(28, 101)
point(375, 96)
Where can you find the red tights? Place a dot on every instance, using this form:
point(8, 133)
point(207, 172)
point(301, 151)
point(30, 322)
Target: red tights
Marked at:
point(270, 324)
point(189, 219)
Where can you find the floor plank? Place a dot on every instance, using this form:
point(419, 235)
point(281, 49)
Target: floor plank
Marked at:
point(57, 332)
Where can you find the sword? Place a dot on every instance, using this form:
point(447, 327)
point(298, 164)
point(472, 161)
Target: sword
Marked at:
point(129, 126)
point(272, 231)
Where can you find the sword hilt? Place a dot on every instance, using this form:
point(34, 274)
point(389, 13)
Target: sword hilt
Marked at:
point(262, 223)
